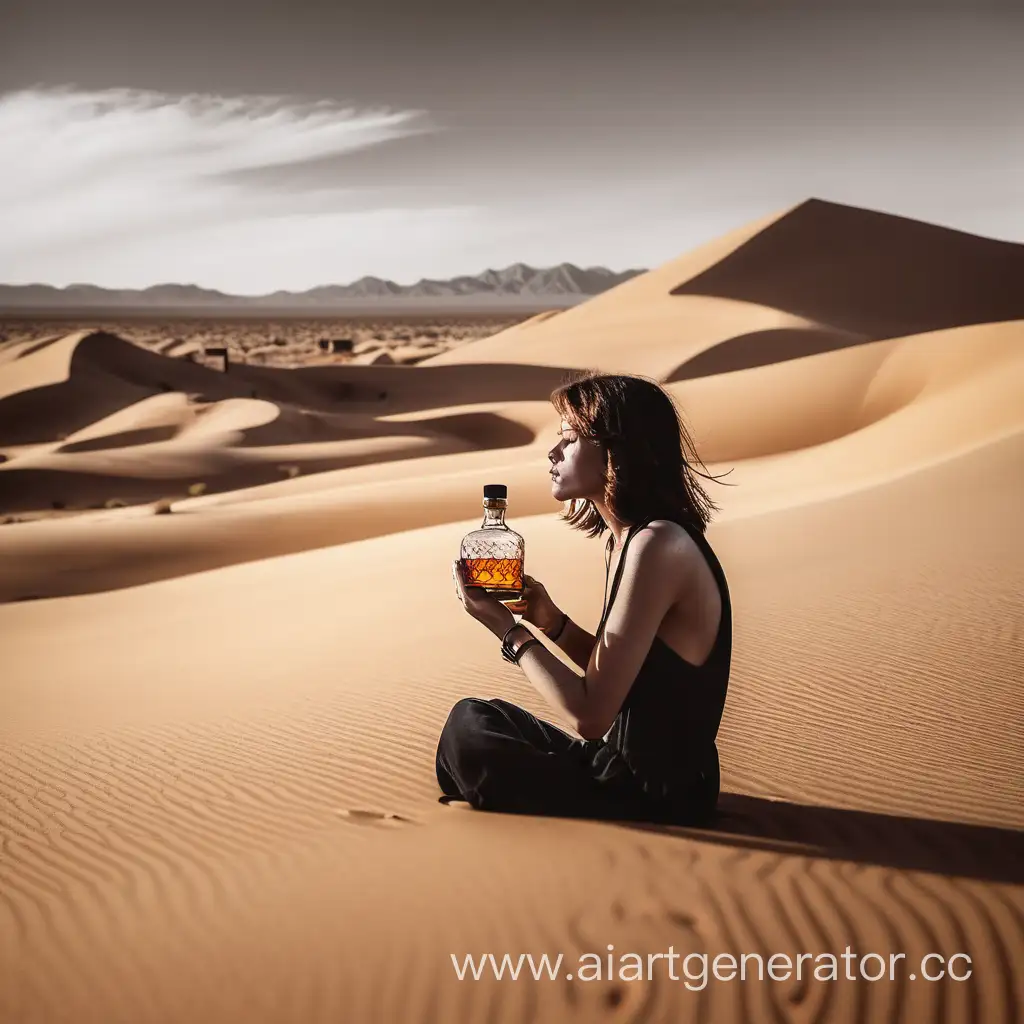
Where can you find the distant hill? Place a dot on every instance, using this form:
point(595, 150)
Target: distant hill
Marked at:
point(517, 285)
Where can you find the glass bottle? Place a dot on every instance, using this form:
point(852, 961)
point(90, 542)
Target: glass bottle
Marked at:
point(494, 555)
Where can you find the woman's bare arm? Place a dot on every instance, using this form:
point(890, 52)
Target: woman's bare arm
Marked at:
point(577, 644)
point(537, 609)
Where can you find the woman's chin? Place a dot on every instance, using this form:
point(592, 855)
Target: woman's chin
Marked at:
point(559, 491)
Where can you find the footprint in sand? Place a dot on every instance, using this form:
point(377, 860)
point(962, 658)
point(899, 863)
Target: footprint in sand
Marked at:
point(359, 816)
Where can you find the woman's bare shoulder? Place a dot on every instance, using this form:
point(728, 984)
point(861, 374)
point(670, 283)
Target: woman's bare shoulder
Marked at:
point(672, 542)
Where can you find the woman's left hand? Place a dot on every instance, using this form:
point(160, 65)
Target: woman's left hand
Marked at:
point(484, 607)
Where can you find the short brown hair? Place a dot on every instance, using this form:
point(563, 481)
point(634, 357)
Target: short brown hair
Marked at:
point(648, 451)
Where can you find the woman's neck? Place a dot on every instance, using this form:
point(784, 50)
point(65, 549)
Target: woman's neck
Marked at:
point(616, 526)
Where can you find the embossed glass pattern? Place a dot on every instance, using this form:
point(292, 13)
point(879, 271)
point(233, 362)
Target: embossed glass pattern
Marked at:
point(494, 555)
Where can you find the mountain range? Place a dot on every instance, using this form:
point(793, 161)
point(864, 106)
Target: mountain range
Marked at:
point(519, 284)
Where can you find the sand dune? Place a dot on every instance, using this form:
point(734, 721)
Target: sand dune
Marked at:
point(851, 418)
point(217, 724)
point(869, 272)
point(200, 779)
point(796, 279)
point(763, 348)
point(154, 426)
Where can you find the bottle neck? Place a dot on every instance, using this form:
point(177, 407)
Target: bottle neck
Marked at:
point(494, 517)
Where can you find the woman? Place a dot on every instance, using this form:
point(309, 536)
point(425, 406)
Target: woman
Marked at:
point(648, 705)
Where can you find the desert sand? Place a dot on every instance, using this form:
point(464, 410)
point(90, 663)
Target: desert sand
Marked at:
point(220, 702)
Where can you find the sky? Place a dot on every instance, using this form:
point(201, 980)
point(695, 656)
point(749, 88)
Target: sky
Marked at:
point(256, 146)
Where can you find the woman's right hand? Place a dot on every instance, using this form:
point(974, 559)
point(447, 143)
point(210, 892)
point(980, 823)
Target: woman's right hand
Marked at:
point(535, 605)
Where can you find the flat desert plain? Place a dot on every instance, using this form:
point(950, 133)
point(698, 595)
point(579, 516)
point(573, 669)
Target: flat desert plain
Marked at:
point(230, 641)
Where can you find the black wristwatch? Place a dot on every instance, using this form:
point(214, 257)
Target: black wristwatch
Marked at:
point(512, 650)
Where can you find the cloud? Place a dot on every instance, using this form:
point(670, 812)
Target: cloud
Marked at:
point(93, 182)
point(249, 194)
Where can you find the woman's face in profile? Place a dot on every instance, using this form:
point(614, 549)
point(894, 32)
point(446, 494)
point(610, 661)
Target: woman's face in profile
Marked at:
point(577, 466)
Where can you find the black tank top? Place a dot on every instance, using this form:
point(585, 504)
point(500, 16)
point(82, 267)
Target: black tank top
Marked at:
point(662, 742)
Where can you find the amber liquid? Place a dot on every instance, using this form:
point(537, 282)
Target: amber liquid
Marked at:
point(502, 577)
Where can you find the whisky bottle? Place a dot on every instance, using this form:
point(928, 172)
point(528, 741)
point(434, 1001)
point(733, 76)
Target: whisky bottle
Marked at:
point(493, 555)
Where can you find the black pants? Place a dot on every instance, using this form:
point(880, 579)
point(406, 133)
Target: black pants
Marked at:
point(499, 757)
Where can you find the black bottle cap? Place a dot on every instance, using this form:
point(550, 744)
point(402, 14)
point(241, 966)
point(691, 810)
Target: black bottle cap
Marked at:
point(495, 491)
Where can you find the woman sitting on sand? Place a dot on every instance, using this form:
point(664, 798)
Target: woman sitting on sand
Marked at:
point(656, 671)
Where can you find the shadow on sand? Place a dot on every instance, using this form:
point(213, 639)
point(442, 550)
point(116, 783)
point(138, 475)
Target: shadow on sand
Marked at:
point(911, 844)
